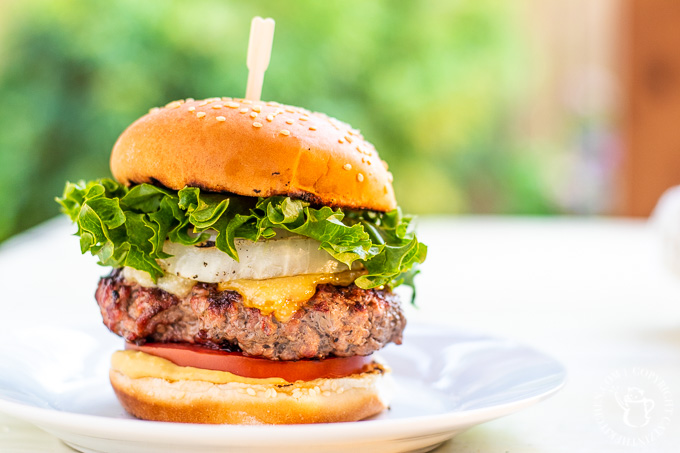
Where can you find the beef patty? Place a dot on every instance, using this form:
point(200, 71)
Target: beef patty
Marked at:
point(338, 321)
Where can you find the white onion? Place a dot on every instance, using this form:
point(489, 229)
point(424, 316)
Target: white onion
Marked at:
point(278, 257)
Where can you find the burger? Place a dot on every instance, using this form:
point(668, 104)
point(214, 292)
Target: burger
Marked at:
point(255, 247)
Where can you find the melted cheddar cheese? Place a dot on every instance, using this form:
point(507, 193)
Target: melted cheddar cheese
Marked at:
point(281, 296)
point(284, 296)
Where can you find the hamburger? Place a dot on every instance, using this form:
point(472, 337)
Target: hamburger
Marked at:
point(255, 247)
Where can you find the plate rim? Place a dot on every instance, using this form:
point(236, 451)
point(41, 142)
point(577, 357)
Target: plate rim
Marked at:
point(111, 428)
point(170, 431)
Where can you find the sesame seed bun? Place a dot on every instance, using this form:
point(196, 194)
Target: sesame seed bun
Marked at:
point(254, 149)
point(345, 399)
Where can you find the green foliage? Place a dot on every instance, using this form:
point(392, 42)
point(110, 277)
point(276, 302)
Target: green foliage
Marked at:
point(431, 83)
point(127, 227)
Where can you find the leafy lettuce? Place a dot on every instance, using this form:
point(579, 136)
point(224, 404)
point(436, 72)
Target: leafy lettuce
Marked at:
point(128, 226)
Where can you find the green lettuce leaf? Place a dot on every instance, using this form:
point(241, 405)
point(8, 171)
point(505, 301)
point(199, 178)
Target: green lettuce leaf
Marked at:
point(128, 226)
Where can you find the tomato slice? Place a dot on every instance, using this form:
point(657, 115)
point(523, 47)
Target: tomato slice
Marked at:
point(183, 354)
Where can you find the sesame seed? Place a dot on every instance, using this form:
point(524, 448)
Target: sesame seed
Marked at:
point(154, 110)
point(390, 178)
point(285, 132)
point(192, 108)
point(349, 140)
point(312, 392)
point(189, 100)
point(250, 391)
point(173, 105)
point(317, 389)
point(270, 118)
point(247, 101)
point(275, 104)
point(387, 167)
point(341, 389)
point(233, 105)
point(226, 99)
point(341, 141)
point(347, 167)
point(360, 177)
point(368, 162)
point(257, 124)
point(217, 106)
point(200, 114)
point(312, 128)
point(256, 108)
point(289, 121)
point(304, 118)
point(253, 114)
point(290, 110)
point(244, 110)
point(206, 102)
point(221, 118)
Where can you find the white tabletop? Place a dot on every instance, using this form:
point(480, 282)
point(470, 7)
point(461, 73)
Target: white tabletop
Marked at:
point(591, 292)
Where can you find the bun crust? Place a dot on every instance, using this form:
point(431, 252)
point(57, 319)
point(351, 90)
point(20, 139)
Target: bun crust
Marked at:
point(254, 149)
point(320, 401)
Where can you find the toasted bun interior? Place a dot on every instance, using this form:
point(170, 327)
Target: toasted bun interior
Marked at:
point(254, 149)
point(345, 399)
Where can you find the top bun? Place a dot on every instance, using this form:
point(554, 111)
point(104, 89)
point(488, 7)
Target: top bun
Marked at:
point(254, 148)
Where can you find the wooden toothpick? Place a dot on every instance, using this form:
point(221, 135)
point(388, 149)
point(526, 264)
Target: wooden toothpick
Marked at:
point(259, 52)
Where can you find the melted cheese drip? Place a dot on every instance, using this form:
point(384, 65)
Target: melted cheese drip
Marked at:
point(170, 283)
point(282, 296)
point(137, 364)
point(285, 295)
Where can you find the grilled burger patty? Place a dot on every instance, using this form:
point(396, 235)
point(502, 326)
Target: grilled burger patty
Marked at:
point(339, 321)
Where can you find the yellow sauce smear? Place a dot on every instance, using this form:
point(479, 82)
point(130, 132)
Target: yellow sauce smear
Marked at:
point(283, 296)
point(137, 364)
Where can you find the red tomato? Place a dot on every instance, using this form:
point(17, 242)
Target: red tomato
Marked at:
point(253, 367)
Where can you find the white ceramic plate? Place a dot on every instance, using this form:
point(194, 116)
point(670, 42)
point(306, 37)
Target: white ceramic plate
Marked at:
point(447, 381)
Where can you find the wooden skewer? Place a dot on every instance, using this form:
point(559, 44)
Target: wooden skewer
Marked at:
point(259, 52)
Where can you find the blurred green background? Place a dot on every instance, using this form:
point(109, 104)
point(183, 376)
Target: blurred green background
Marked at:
point(435, 85)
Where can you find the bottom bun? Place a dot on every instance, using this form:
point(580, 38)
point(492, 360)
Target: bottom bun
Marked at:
point(344, 399)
